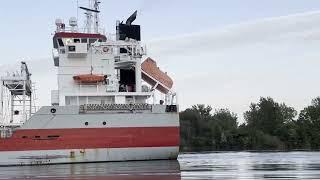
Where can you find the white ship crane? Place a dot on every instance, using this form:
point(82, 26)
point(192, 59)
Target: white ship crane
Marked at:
point(17, 99)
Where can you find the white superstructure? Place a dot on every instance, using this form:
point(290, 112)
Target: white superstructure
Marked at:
point(115, 64)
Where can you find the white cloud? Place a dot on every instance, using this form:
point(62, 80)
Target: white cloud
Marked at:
point(235, 65)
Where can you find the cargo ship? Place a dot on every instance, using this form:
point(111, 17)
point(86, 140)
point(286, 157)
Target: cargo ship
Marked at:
point(112, 102)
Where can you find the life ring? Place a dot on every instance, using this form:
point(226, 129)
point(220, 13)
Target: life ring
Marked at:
point(105, 49)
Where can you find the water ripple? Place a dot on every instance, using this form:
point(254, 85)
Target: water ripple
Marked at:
point(206, 165)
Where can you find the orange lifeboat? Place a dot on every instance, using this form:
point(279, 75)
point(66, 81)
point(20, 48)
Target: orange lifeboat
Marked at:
point(153, 75)
point(89, 78)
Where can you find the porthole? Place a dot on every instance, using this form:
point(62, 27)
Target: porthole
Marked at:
point(53, 110)
point(104, 123)
point(86, 123)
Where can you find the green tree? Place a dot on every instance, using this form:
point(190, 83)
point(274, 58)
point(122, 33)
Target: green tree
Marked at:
point(269, 116)
point(268, 123)
point(309, 126)
point(203, 111)
point(195, 131)
point(200, 130)
point(224, 129)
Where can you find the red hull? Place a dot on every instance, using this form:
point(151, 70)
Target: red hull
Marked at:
point(82, 138)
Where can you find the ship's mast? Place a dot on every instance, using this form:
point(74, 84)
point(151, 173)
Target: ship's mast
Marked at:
point(96, 16)
point(92, 9)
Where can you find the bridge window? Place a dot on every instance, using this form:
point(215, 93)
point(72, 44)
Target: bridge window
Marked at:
point(60, 42)
point(84, 40)
point(72, 48)
point(76, 40)
point(92, 40)
point(62, 51)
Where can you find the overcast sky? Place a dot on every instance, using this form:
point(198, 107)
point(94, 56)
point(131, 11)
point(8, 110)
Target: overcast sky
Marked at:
point(223, 53)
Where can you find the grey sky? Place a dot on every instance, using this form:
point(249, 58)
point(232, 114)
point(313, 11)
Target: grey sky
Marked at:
point(224, 53)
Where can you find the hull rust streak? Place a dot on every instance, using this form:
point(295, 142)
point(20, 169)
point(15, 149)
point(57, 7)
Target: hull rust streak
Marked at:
point(13, 158)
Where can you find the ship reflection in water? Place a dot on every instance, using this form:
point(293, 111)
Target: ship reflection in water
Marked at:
point(139, 170)
point(211, 165)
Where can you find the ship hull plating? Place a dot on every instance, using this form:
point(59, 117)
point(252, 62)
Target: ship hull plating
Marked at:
point(63, 156)
point(69, 135)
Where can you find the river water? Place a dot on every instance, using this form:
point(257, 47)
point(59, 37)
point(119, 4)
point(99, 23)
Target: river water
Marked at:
point(208, 165)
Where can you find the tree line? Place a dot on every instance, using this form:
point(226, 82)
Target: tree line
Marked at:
point(268, 125)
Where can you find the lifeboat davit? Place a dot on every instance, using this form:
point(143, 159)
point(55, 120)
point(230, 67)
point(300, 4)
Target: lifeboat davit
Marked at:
point(89, 78)
point(153, 75)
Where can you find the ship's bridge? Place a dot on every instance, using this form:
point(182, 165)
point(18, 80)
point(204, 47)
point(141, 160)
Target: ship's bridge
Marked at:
point(61, 38)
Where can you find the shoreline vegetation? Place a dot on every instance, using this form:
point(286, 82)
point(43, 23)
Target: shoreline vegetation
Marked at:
point(268, 126)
